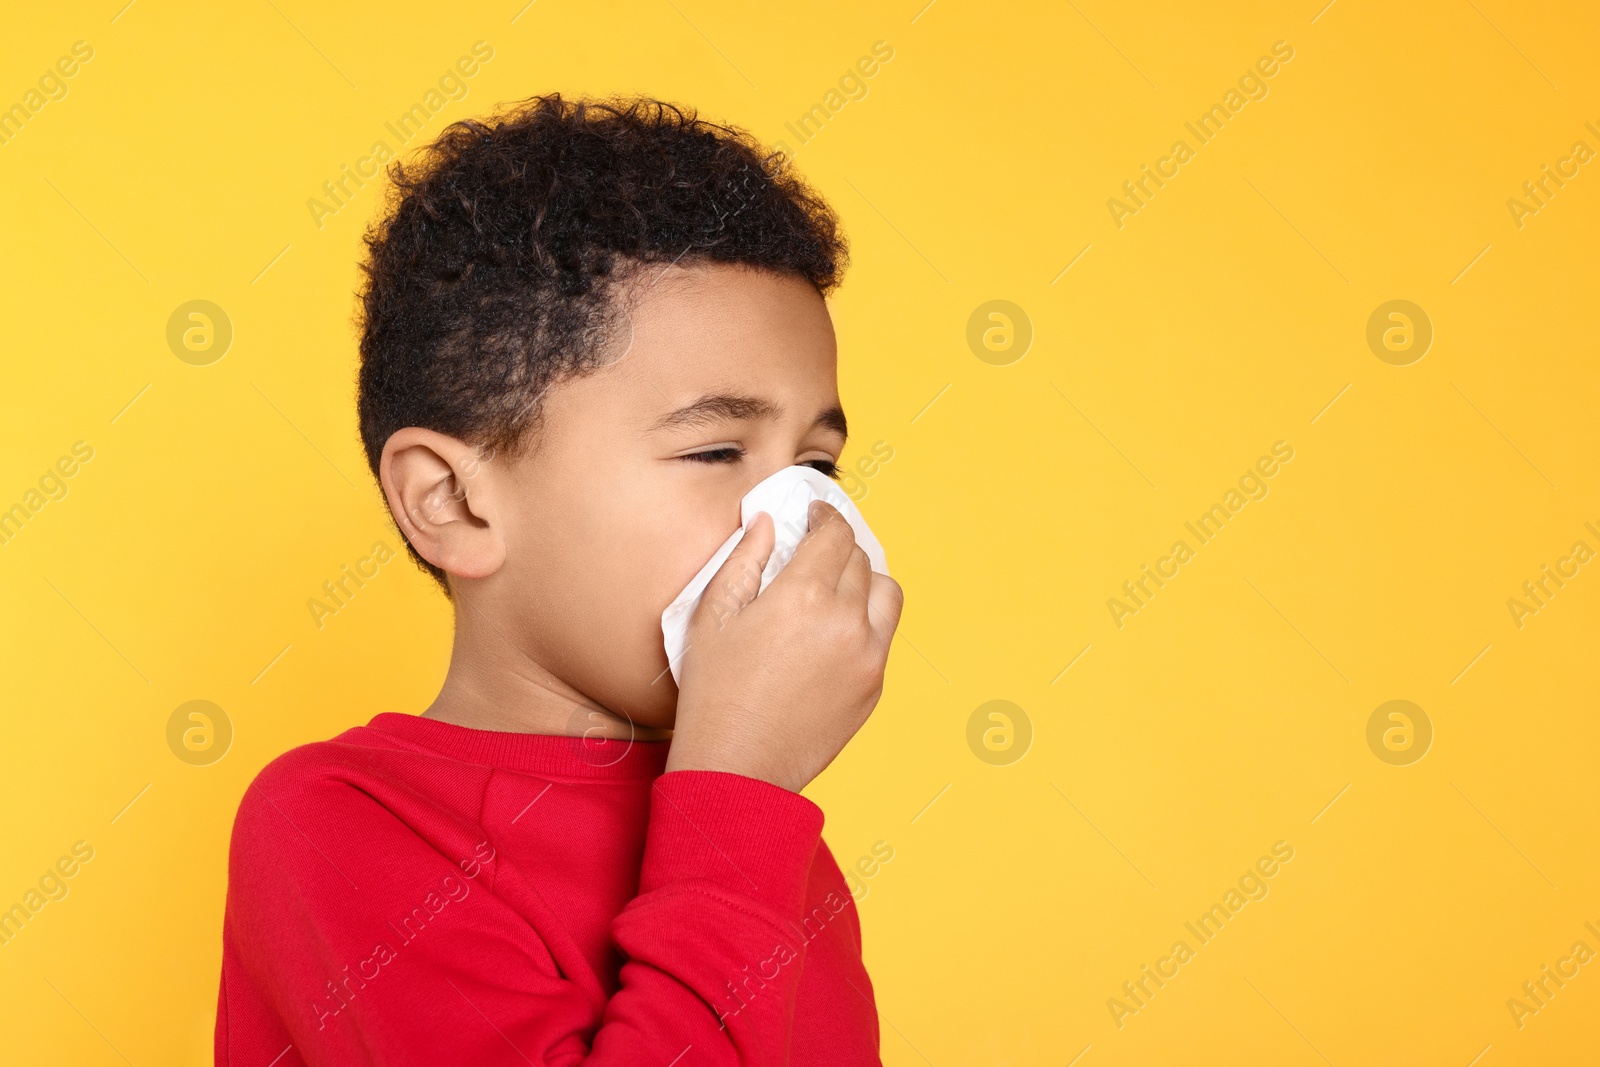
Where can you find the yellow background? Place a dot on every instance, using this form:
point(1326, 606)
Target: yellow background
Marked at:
point(1228, 314)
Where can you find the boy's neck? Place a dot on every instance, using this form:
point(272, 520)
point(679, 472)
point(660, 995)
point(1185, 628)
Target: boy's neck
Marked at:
point(492, 685)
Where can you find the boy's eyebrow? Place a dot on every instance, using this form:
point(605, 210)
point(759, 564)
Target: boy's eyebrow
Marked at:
point(731, 406)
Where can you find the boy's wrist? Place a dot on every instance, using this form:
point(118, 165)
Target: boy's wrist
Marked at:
point(686, 755)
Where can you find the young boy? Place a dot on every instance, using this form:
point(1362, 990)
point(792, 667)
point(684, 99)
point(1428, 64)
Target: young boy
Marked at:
point(588, 330)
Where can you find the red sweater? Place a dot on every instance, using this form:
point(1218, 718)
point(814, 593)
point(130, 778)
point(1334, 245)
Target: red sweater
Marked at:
point(416, 892)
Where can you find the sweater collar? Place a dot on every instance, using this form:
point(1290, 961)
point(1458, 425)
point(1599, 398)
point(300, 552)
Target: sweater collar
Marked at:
point(543, 754)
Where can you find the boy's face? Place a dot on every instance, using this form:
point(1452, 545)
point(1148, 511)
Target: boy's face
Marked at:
point(639, 467)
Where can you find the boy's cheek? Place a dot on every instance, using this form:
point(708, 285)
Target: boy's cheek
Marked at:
point(689, 532)
point(599, 551)
point(602, 607)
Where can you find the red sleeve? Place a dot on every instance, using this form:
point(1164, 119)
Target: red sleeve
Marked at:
point(712, 938)
point(321, 871)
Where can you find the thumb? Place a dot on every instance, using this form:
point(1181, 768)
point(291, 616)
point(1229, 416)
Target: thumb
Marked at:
point(738, 580)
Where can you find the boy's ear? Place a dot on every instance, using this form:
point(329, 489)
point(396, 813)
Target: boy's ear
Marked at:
point(443, 501)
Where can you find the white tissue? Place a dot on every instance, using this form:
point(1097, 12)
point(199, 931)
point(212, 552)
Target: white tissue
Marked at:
point(785, 496)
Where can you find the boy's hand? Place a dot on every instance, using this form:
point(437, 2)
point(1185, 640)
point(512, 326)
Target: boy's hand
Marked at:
point(774, 686)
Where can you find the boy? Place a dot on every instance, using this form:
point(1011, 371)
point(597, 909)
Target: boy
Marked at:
point(587, 331)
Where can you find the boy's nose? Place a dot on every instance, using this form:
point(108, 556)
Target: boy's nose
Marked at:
point(760, 472)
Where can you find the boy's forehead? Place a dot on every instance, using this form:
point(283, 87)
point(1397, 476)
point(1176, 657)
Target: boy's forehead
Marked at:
point(724, 332)
point(712, 300)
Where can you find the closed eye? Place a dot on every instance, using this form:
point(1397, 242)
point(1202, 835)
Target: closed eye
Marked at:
point(728, 454)
point(732, 454)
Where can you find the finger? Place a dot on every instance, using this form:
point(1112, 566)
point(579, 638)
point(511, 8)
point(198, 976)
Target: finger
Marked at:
point(738, 580)
point(825, 549)
point(884, 601)
point(856, 580)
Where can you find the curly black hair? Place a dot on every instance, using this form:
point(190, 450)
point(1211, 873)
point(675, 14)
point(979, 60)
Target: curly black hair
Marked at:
point(505, 250)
